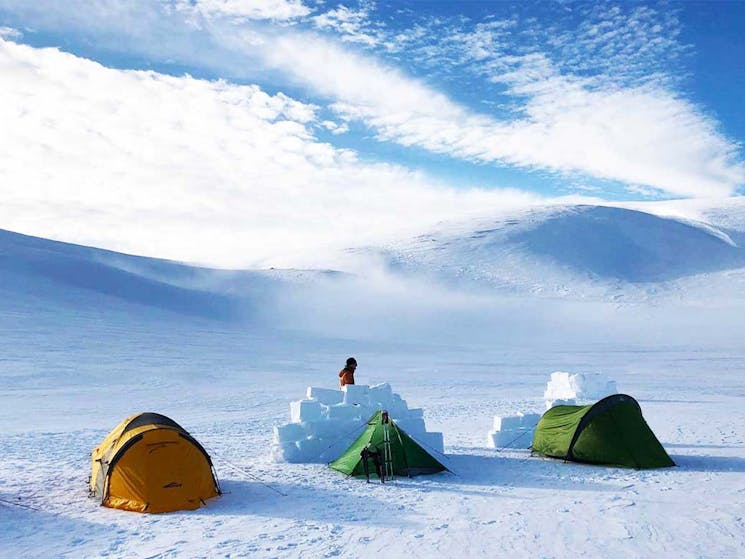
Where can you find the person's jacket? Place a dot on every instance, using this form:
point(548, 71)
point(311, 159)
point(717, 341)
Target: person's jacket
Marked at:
point(346, 376)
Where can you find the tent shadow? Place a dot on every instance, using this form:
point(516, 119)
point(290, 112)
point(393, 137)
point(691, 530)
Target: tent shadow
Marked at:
point(21, 529)
point(683, 445)
point(301, 502)
point(661, 401)
point(709, 463)
point(483, 470)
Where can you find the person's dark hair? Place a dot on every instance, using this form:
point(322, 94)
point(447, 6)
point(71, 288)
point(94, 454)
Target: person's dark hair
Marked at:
point(351, 361)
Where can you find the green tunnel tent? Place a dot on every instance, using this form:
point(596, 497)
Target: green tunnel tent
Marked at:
point(611, 432)
point(409, 458)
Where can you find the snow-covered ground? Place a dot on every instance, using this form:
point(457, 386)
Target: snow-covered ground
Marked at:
point(87, 338)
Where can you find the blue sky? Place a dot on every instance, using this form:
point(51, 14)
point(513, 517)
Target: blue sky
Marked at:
point(715, 32)
point(618, 101)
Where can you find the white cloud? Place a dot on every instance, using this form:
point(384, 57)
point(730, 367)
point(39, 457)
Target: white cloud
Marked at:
point(335, 127)
point(195, 170)
point(255, 9)
point(10, 33)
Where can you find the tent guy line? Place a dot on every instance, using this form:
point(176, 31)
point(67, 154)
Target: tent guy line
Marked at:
point(245, 472)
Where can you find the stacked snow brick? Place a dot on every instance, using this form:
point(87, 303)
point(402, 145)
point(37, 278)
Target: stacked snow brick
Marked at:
point(577, 388)
point(513, 431)
point(516, 431)
point(327, 421)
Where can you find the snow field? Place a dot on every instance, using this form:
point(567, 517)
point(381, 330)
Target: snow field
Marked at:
point(533, 507)
point(326, 422)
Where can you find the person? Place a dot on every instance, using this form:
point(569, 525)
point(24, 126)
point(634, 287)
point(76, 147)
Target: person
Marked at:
point(372, 453)
point(346, 375)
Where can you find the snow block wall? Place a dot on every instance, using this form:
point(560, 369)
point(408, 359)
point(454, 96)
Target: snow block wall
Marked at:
point(513, 431)
point(516, 431)
point(579, 388)
point(326, 422)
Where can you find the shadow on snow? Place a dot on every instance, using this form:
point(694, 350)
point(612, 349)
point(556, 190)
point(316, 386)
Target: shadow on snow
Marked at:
point(309, 502)
point(709, 463)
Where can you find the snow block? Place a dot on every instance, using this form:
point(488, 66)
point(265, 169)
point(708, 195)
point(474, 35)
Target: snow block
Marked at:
point(518, 421)
point(513, 431)
point(345, 412)
point(416, 412)
point(412, 425)
point(305, 410)
point(355, 394)
point(398, 407)
point(508, 422)
point(520, 438)
point(530, 420)
point(579, 386)
point(332, 449)
point(569, 402)
point(286, 452)
point(309, 449)
point(329, 429)
point(381, 393)
point(326, 396)
point(289, 433)
point(431, 441)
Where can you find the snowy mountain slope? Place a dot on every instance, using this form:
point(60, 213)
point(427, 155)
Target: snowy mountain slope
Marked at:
point(513, 278)
point(725, 215)
point(627, 245)
point(571, 251)
point(730, 217)
point(61, 272)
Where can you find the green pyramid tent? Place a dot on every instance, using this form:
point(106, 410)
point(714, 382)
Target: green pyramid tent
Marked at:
point(611, 431)
point(409, 459)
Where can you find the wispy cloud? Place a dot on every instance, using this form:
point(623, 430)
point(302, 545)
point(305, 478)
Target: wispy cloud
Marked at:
point(355, 26)
point(591, 93)
point(641, 135)
point(626, 45)
point(10, 33)
point(196, 170)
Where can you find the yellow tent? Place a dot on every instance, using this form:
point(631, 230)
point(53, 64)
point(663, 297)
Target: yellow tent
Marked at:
point(149, 463)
